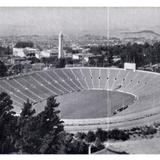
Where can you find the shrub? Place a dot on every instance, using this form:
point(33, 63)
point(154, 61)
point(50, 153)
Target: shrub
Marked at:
point(118, 135)
point(147, 130)
point(102, 134)
point(90, 137)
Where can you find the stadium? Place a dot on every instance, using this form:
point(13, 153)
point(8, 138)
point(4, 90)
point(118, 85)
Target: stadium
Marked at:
point(91, 97)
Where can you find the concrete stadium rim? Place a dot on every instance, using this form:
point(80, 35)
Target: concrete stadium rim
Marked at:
point(143, 114)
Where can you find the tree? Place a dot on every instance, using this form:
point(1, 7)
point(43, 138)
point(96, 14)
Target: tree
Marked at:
point(4, 51)
point(61, 63)
point(42, 133)
point(49, 118)
point(80, 135)
point(25, 129)
point(98, 144)
point(101, 134)
point(148, 130)
point(7, 124)
point(51, 128)
point(117, 134)
point(16, 69)
point(49, 60)
point(27, 110)
point(3, 69)
point(33, 59)
point(23, 44)
point(90, 137)
point(76, 147)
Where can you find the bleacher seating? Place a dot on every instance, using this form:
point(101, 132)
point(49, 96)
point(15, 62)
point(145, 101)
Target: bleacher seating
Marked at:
point(38, 86)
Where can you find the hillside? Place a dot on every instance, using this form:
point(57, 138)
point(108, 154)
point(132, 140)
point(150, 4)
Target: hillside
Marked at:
point(144, 34)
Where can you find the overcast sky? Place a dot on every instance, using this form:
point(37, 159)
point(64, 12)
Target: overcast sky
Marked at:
point(77, 20)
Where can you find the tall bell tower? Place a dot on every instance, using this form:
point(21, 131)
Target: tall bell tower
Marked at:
point(60, 46)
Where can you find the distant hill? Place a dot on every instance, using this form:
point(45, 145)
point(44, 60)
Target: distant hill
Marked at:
point(144, 34)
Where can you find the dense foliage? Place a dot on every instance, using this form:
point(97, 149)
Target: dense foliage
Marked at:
point(7, 124)
point(43, 133)
point(29, 132)
point(141, 54)
point(3, 69)
point(5, 51)
point(23, 44)
point(61, 63)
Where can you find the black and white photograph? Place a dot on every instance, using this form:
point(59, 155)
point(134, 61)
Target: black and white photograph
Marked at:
point(79, 80)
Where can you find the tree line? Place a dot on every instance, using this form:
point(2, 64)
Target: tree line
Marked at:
point(29, 132)
point(43, 133)
point(37, 133)
point(141, 54)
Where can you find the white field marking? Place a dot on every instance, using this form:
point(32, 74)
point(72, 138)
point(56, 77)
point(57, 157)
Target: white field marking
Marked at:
point(54, 80)
point(136, 84)
point(124, 79)
point(99, 76)
point(10, 92)
point(43, 85)
point(84, 78)
point(132, 80)
point(77, 78)
point(63, 80)
point(91, 77)
point(141, 87)
point(107, 80)
point(47, 82)
point(115, 80)
point(70, 79)
point(19, 91)
point(26, 88)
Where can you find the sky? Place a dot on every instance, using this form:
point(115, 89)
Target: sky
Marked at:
point(77, 20)
point(134, 19)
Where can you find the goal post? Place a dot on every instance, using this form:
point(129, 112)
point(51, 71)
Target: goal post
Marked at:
point(130, 66)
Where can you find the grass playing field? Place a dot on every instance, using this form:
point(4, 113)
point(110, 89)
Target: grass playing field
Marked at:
point(90, 104)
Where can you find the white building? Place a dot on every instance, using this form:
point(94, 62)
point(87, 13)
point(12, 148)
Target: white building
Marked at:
point(31, 52)
point(45, 53)
point(49, 53)
point(18, 52)
point(75, 57)
point(82, 56)
point(25, 52)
